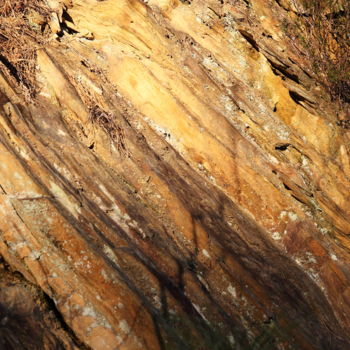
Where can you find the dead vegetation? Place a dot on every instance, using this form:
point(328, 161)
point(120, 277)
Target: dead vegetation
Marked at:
point(323, 29)
point(106, 120)
point(99, 114)
point(22, 32)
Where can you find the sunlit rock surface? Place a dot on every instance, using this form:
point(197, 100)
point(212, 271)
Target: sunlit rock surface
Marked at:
point(179, 180)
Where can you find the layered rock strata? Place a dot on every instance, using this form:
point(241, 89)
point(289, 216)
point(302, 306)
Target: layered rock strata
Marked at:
point(179, 180)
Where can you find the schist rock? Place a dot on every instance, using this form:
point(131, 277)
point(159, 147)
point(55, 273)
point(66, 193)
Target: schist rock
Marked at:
point(172, 176)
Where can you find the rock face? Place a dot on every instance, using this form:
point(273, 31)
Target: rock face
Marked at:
point(27, 318)
point(179, 181)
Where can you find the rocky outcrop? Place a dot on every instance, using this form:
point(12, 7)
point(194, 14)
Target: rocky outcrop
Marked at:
point(28, 320)
point(179, 180)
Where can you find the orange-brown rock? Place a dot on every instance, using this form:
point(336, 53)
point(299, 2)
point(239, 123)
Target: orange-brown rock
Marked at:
point(178, 181)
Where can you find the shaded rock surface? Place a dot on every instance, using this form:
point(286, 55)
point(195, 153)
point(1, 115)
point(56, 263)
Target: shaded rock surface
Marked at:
point(28, 320)
point(179, 181)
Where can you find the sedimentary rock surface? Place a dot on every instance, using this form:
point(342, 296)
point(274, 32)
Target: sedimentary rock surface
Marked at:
point(177, 181)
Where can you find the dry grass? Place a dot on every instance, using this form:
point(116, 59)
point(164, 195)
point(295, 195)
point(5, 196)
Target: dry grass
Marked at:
point(106, 120)
point(22, 24)
point(323, 28)
point(98, 115)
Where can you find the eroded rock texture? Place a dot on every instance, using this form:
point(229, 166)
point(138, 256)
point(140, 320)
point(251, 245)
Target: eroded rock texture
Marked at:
point(179, 181)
